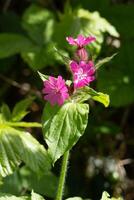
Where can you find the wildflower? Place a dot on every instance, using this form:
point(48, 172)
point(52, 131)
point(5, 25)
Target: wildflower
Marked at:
point(83, 73)
point(80, 41)
point(55, 90)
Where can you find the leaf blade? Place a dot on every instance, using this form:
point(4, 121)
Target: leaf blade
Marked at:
point(63, 126)
point(103, 61)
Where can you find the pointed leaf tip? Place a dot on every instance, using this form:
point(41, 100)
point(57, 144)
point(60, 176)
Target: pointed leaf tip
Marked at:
point(105, 60)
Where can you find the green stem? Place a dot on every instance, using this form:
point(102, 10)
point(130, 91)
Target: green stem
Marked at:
point(62, 176)
point(24, 124)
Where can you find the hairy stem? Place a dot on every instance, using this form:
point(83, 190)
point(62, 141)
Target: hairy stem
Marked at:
point(62, 176)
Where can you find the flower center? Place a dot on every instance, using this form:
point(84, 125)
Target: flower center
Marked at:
point(81, 75)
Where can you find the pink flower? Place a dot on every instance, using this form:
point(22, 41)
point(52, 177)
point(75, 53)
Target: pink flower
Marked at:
point(83, 73)
point(80, 41)
point(55, 90)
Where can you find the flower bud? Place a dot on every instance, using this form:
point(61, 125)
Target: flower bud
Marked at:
point(82, 54)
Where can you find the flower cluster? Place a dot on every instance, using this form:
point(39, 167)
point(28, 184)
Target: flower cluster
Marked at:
point(83, 70)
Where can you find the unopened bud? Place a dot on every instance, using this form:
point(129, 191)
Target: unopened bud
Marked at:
point(82, 54)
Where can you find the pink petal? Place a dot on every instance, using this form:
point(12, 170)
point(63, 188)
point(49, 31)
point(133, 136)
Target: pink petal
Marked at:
point(80, 40)
point(91, 63)
point(91, 71)
point(91, 78)
point(74, 66)
point(51, 98)
point(55, 90)
point(88, 40)
point(82, 63)
point(71, 41)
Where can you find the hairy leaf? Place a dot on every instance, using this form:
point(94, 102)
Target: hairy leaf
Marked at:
point(63, 126)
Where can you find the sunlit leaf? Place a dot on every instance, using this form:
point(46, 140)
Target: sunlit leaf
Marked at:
point(81, 21)
point(74, 198)
point(38, 22)
point(83, 94)
point(63, 126)
point(12, 197)
point(106, 196)
point(34, 196)
point(43, 76)
point(18, 145)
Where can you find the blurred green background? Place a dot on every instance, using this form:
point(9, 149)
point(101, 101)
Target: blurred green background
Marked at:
point(29, 31)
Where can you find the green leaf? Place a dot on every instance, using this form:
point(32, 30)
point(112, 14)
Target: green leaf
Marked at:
point(102, 98)
point(25, 178)
point(41, 56)
point(103, 61)
point(83, 94)
point(45, 185)
point(11, 44)
point(38, 22)
point(74, 198)
point(81, 21)
point(99, 96)
point(20, 108)
point(11, 197)
point(12, 184)
point(63, 126)
point(6, 112)
point(106, 196)
point(65, 58)
point(35, 196)
point(16, 146)
point(43, 76)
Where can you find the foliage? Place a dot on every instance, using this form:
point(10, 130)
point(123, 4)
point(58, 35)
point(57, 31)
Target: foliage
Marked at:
point(44, 31)
point(68, 122)
point(106, 196)
point(33, 38)
point(34, 196)
point(17, 145)
point(117, 78)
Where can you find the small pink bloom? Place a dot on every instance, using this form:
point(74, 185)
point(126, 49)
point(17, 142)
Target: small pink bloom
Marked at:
point(80, 41)
point(83, 73)
point(55, 90)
